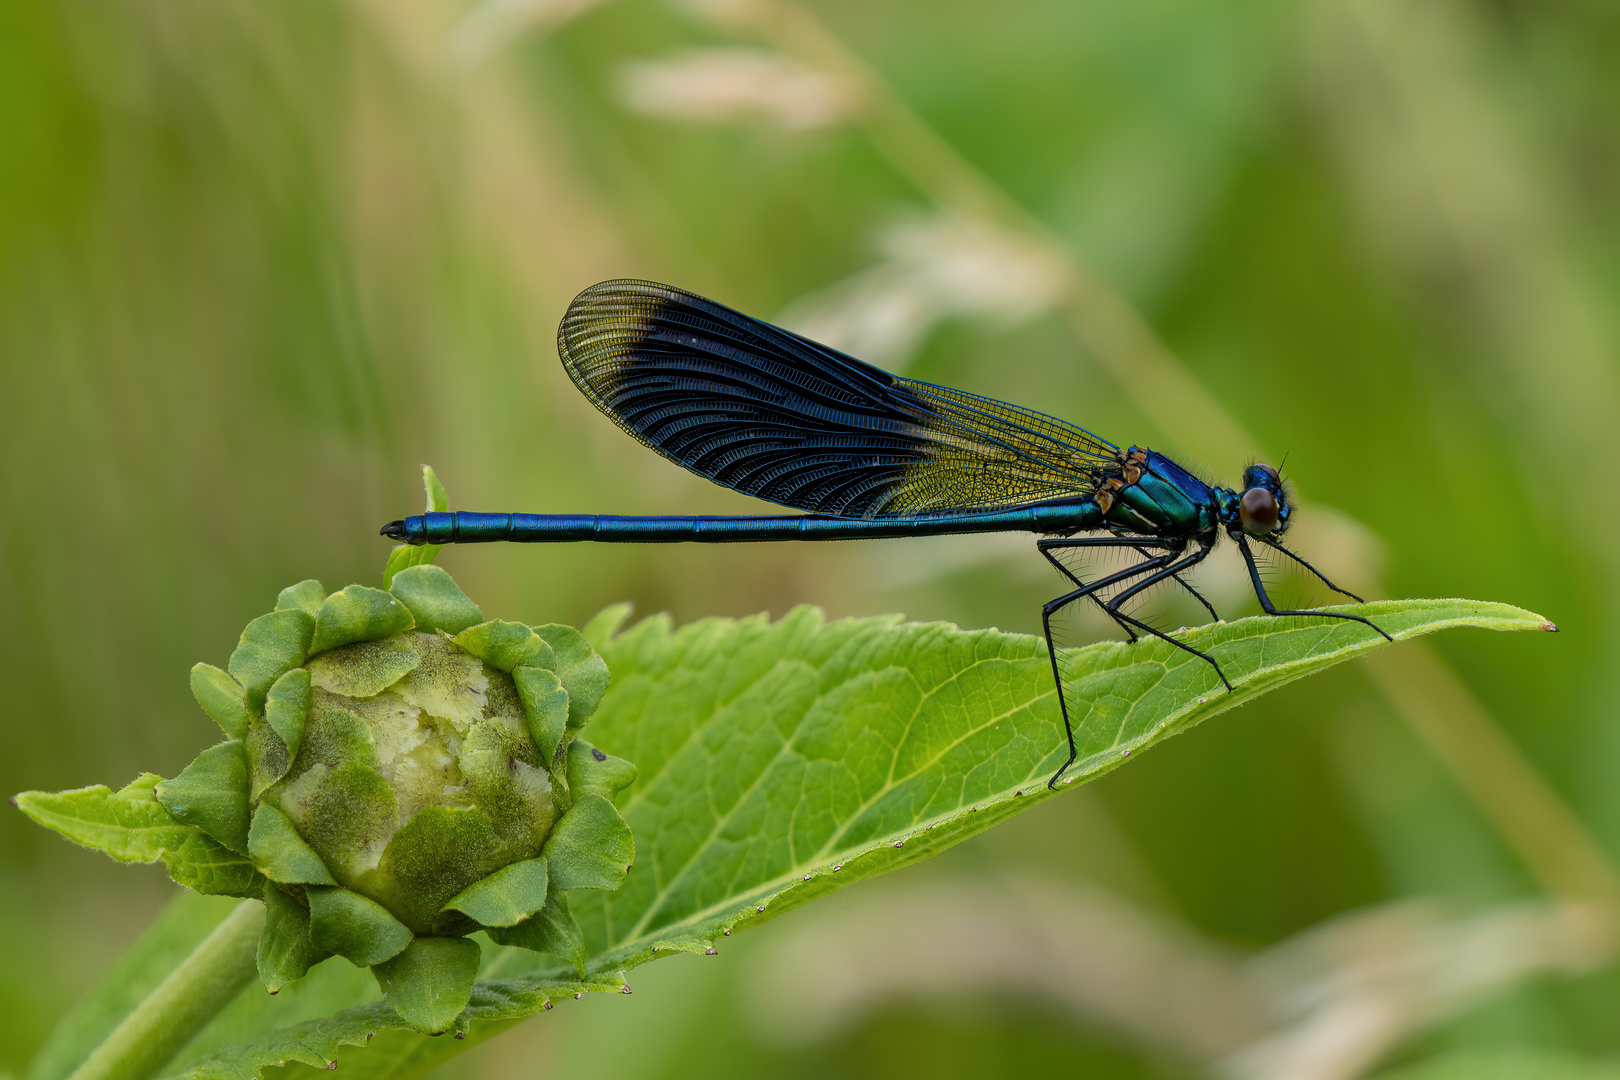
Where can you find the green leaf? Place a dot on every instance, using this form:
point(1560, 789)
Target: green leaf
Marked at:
point(305, 596)
point(222, 698)
point(437, 853)
point(583, 672)
point(336, 736)
point(271, 646)
point(361, 1034)
point(545, 707)
point(132, 826)
point(506, 897)
point(438, 500)
point(594, 771)
point(366, 668)
point(434, 599)
point(212, 794)
point(286, 952)
point(280, 853)
point(404, 556)
point(590, 847)
point(358, 613)
point(507, 645)
point(606, 623)
point(286, 707)
point(354, 927)
point(780, 762)
point(268, 760)
point(341, 814)
point(551, 930)
point(430, 982)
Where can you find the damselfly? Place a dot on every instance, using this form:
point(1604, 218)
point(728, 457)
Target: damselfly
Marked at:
point(867, 454)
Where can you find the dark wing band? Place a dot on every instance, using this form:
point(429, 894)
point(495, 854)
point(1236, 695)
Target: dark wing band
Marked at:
point(777, 416)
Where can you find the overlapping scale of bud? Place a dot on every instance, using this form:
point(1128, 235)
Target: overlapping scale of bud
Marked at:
point(401, 773)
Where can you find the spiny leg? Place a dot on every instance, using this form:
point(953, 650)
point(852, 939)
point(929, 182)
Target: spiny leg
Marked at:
point(1147, 583)
point(1140, 546)
point(1185, 584)
point(1320, 576)
point(1196, 595)
point(1051, 607)
point(1092, 590)
point(1271, 609)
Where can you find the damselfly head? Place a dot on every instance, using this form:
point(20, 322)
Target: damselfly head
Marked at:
point(1263, 507)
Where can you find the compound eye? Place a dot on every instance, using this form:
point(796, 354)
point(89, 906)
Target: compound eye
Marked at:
point(1258, 511)
point(1258, 474)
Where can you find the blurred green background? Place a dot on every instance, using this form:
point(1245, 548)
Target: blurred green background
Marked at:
point(260, 260)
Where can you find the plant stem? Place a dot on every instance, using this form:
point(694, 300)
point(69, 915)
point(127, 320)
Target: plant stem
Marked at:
point(182, 1004)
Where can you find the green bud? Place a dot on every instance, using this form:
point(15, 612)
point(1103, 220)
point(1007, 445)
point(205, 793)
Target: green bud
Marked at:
point(398, 773)
point(401, 787)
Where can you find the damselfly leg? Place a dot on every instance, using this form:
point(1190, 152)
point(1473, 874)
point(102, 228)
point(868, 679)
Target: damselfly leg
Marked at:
point(1166, 566)
point(1269, 542)
point(1142, 547)
point(1272, 609)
